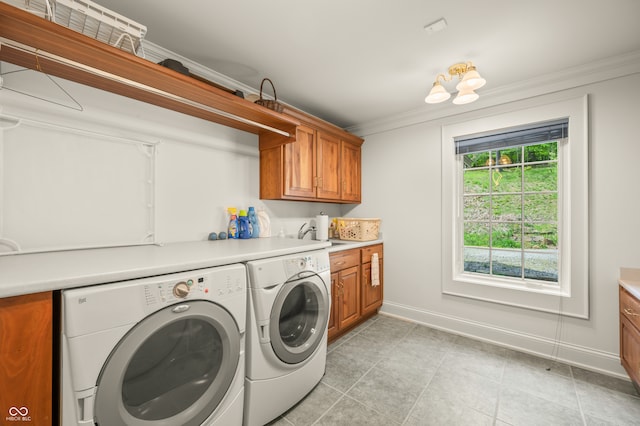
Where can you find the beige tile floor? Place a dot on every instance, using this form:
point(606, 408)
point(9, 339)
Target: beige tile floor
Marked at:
point(392, 372)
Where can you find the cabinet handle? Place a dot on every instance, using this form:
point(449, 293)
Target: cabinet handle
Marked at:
point(342, 262)
point(630, 312)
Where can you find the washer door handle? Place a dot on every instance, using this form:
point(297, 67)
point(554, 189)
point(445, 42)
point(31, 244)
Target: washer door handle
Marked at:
point(180, 308)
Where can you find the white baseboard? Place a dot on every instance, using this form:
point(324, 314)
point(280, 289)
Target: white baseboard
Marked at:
point(590, 359)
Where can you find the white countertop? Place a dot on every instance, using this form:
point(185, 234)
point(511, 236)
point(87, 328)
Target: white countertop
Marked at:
point(37, 272)
point(630, 280)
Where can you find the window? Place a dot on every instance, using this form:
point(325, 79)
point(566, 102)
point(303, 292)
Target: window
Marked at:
point(515, 208)
point(509, 199)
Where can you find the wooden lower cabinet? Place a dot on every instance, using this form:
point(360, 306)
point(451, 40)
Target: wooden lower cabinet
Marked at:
point(26, 359)
point(630, 335)
point(353, 297)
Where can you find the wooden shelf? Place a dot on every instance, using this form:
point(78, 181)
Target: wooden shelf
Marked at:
point(36, 43)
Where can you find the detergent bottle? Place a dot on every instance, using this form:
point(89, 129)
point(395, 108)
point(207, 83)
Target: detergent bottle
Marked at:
point(253, 222)
point(244, 230)
point(232, 231)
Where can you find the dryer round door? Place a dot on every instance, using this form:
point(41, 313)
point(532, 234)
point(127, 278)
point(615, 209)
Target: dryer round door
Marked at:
point(173, 368)
point(299, 318)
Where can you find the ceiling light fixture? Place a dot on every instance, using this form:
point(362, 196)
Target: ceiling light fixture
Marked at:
point(470, 80)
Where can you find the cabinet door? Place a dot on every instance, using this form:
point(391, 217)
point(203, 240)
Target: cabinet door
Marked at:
point(26, 358)
point(630, 349)
point(350, 173)
point(371, 295)
point(349, 283)
point(333, 325)
point(300, 164)
point(329, 165)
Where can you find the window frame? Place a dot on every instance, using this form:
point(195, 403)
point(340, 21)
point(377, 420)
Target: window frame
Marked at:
point(571, 296)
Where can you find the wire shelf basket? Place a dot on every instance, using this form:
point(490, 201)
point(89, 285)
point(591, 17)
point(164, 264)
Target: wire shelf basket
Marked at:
point(90, 19)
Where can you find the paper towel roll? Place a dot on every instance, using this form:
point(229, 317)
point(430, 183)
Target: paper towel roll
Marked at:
point(322, 227)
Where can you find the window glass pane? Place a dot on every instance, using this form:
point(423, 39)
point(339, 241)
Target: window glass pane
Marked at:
point(506, 263)
point(541, 207)
point(506, 235)
point(541, 177)
point(541, 152)
point(476, 181)
point(541, 265)
point(476, 207)
point(507, 179)
point(506, 207)
point(509, 156)
point(477, 159)
point(511, 205)
point(541, 236)
point(476, 234)
point(476, 260)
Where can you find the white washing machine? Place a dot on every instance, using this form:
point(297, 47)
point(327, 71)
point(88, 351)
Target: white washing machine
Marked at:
point(166, 350)
point(288, 310)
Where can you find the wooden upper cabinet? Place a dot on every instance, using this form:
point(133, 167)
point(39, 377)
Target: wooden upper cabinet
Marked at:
point(322, 164)
point(351, 169)
point(300, 164)
point(329, 167)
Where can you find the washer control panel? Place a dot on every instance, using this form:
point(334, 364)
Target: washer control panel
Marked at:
point(216, 284)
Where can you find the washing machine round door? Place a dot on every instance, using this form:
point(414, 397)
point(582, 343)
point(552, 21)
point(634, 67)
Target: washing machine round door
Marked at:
point(172, 368)
point(299, 318)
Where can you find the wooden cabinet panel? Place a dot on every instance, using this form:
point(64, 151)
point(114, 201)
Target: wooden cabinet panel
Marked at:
point(630, 307)
point(344, 259)
point(300, 164)
point(630, 335)
point(333, 312)
point(368, 251)
point(349, 283)
point(351, 166)
point(26, 358)
point(371, 295)
point(630, 349)
point(329, 166)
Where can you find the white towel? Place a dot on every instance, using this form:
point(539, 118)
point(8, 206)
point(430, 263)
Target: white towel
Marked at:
point(375, 270)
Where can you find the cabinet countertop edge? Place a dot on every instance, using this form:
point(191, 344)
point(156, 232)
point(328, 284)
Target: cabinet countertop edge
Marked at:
point(347, 245)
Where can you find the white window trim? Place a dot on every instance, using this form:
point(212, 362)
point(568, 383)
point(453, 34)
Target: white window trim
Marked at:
point(573, 297)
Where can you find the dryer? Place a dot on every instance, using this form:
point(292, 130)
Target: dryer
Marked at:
point(288, 309)
point(165, 350)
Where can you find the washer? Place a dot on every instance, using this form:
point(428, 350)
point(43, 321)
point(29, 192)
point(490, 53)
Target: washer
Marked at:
point(288, 310)
point(166, 350)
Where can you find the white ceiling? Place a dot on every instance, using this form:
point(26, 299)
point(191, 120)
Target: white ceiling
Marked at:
point(356, 61)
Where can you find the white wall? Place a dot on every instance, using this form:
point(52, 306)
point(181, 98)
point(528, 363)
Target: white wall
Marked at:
point(200, 168)
point(402, 179)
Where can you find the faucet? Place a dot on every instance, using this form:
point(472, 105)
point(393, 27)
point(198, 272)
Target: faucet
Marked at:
point(302, 233)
